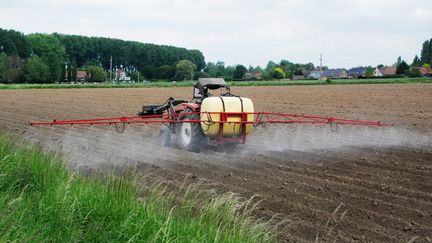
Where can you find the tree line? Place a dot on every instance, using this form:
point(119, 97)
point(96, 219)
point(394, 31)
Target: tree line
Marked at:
point(55, 57)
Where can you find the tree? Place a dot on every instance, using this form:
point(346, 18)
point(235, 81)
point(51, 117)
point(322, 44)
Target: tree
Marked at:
point(165, 72)
point(185, 70)
point(74, 70)
point(3, 67)
point(278, 73)
point(426, 52)
point(96, 74)
point(398, 61)
point(52, 52)
point(369, 72)
point(402, 68)
point(35, 70)
point(416, 61)
point(228, 72)
point(14, 43)
point(415, 72)
point(270, 65)
point(14, 69)
point(212, 69)
point(239, 72)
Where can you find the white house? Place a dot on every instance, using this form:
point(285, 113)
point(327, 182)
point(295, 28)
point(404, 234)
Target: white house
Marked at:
point(377, 73)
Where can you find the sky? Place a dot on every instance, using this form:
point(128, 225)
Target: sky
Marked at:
point(348, 33)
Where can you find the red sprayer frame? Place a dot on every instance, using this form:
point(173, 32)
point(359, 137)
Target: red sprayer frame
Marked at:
point(259, 119)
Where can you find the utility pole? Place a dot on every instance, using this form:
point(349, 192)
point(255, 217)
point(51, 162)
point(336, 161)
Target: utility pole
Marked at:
point(321, 62)
point(111, 69)
point(138, 76)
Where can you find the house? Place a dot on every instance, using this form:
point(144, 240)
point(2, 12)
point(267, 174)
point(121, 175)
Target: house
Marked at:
point(254, 75)
point(388, 71)
point(377, 73)
point(120, 75)
point(358, 72)
point(335, 73)
point(425, 72)
point(298, 77)
point(316, 74)
point(82, 76)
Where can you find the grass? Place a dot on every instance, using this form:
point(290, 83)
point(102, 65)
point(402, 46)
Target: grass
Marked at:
point(167, 84)
point(42, 201)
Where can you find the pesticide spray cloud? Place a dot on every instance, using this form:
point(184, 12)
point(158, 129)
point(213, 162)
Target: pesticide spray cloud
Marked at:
point(319, 137)
point(99, 146)
point(96, 147)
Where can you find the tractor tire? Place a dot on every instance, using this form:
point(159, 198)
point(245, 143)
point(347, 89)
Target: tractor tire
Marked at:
point(165, 136)
point(190, 136)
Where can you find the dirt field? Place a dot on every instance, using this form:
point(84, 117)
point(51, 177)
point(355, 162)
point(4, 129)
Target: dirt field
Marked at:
point(359, 184)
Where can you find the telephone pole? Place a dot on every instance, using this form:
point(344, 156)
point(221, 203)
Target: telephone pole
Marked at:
point(321, 61)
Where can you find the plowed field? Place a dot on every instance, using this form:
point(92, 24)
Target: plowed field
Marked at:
point(357, 184)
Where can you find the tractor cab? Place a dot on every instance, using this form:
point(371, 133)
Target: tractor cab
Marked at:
point(204, 85)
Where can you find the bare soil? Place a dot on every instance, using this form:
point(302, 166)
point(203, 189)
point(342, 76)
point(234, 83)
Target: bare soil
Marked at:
point(359, 184)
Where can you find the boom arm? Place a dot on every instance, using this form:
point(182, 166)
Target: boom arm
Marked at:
point(259, 119)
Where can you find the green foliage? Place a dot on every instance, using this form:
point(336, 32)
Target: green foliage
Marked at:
point(217, 70)
point(35, 70)
point(270, 65)
point(95, 73)
point(278, 73)
point(185, 70)
point(14, 43)
point(416, 62)
point(399, 61)
point(41, 201)
point(369, 72)
point(49, 48)
point(164, 72)
point(14, 69)
point(3, 67)
point(239, 72)
point(402, 68)
point(168, 84)
point(426, 52)
point(415, 73)
point(130, 54)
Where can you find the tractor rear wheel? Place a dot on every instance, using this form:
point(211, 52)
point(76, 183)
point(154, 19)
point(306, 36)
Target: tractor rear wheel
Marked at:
point(190, 135)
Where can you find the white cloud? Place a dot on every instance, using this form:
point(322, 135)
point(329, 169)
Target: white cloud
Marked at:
point(421, 14)
point(347, 32)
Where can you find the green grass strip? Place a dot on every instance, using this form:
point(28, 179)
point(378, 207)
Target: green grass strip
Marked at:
point(168, 84)
point(41, 201)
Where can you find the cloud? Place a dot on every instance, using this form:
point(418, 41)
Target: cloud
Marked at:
point(348, 32)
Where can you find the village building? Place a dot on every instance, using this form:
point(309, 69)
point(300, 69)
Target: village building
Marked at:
point(358, 72)
point(82, 76)
point(339, 73)
point(298, 77)
point(388, 71)
point(120, 75)
point(252, 75)
point(377, 73)
point(425, 72)
point(316, 74)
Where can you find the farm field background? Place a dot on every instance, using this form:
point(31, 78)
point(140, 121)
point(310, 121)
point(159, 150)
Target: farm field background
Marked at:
point(166, 83)
point(366, 184)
